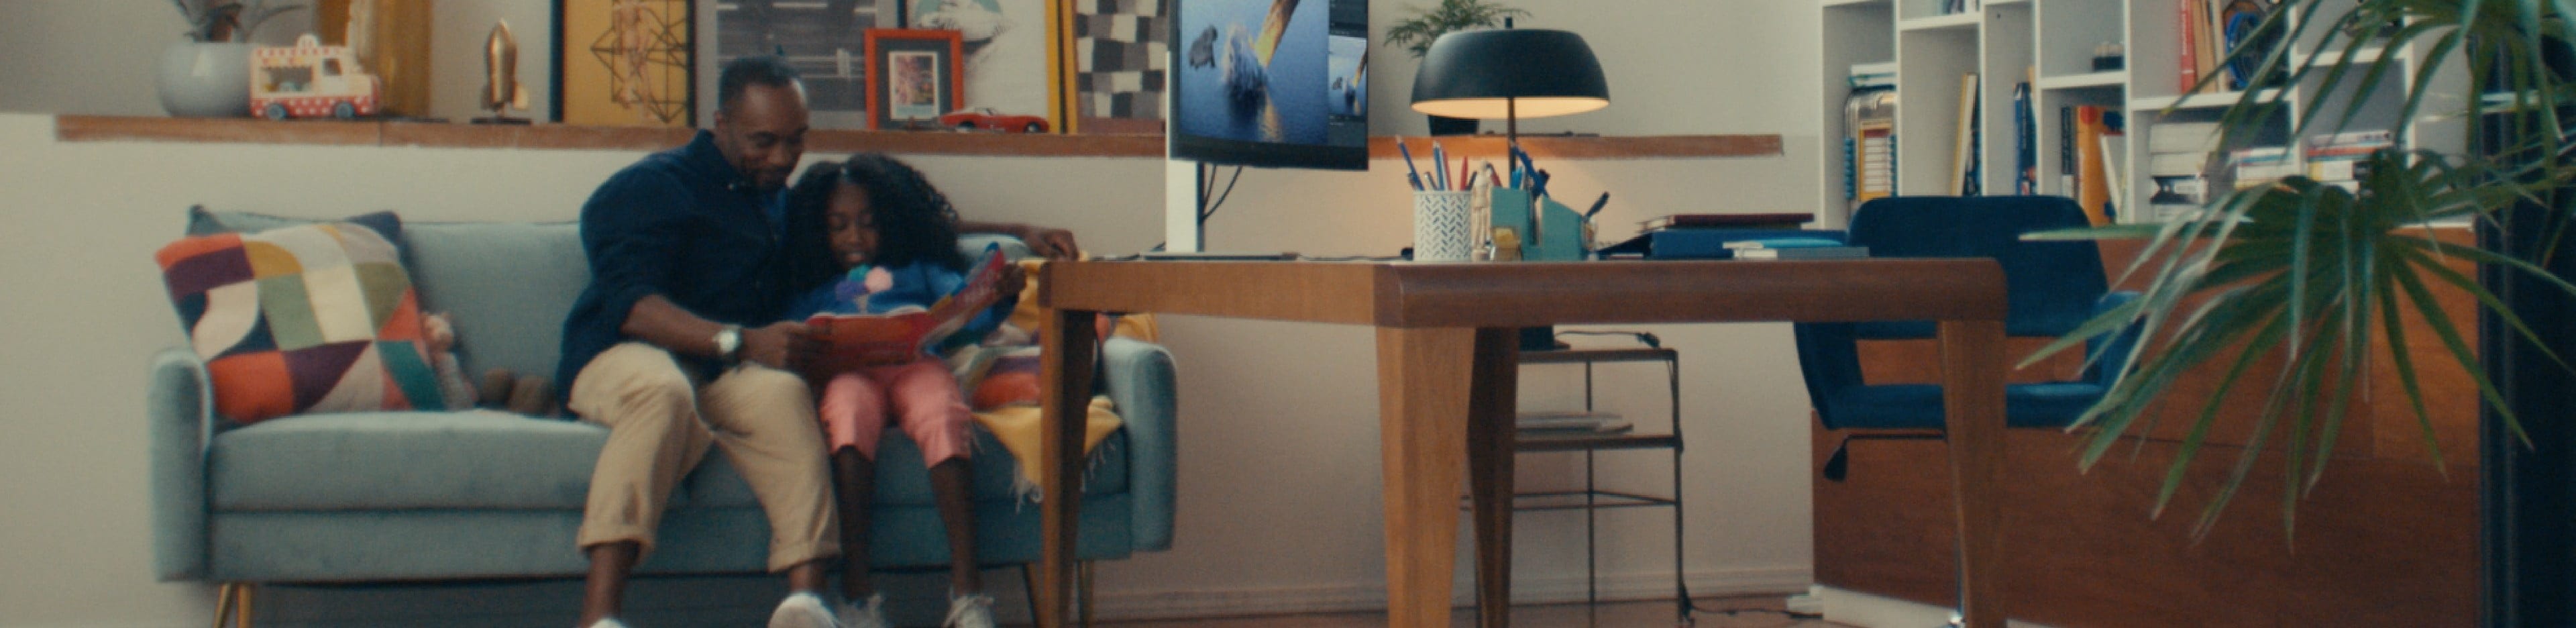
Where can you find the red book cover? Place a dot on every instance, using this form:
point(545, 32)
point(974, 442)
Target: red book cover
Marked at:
point(2190, 45)
point(862, 340)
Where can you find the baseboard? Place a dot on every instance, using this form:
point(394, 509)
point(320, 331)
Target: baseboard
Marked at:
point(1865, 610)
point(1352, 598)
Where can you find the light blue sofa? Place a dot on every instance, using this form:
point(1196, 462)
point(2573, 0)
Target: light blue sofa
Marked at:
point(425, 496)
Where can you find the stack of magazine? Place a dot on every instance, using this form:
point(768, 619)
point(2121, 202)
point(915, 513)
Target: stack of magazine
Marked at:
point(1570, 423)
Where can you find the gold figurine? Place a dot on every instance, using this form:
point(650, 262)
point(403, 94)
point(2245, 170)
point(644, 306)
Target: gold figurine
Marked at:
point(501, 89)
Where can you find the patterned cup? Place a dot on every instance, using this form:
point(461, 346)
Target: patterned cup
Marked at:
point(1441, 227)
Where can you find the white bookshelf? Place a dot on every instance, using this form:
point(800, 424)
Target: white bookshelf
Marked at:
point(2003, 40)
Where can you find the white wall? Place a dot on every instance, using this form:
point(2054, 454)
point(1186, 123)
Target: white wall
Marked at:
point(1279, 503)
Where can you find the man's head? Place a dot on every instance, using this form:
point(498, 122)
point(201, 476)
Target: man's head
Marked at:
point(761, 119)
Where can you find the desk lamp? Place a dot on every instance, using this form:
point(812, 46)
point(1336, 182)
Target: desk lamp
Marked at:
point(1509, 73)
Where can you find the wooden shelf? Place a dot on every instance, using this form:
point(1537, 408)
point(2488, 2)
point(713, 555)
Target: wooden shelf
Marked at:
point(74, 128)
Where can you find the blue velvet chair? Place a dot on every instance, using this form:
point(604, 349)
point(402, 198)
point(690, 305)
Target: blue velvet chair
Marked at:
point(2052, 288)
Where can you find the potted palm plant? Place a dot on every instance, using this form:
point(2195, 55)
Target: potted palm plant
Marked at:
point(2317, 276)
point(207, 74)
point(1415, 34)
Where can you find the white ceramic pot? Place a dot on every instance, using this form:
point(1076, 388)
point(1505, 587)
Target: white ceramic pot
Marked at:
point(206, 80)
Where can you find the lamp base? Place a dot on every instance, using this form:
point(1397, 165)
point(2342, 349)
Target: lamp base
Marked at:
point(1441, 125)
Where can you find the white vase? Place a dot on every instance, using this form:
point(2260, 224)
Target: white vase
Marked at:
point(206, 80)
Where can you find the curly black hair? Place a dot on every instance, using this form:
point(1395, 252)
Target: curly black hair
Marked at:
point(914, 221)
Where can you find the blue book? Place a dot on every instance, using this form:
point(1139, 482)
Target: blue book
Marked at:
point(1802, 242)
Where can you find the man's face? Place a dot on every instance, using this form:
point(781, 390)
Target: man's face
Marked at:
point(762, 133)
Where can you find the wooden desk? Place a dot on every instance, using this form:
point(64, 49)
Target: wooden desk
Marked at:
point(1447, 344)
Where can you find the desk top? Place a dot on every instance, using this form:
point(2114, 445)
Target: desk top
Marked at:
point(1525, 294)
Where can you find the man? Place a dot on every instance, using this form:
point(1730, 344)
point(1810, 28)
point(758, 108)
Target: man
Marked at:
point(676, 346)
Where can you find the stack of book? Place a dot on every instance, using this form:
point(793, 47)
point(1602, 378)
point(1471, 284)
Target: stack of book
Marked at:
point(1871, 75)
point(2261, 165)
point(2091, 143)
point(2337, 159)
point(2212, 33)
point(1794, 248)
point(1705, 236)
point(2178, 162)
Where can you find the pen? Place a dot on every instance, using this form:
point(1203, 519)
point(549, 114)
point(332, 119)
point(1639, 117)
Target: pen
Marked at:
point(1466, 174)
point(1411, 176)
point(1596, 206)
point(1440, 166)
point(1538, 183)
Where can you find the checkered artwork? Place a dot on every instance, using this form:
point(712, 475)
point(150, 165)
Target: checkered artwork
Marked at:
point(1121, 57)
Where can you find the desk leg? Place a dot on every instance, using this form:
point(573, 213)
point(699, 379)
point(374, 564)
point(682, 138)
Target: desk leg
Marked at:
point(1067, 342)
point(1972, 381)
point(1490, 434)
point(1423, 379)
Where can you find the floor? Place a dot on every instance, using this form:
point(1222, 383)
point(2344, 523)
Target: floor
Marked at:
point(1751, 612)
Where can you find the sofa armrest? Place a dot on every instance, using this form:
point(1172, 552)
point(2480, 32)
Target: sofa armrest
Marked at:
point(1139, 378)
point(179, 403)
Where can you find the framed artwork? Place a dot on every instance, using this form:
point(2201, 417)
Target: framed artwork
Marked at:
point(825, 40)
point(625, 62)
point(1121, 64)
point(912, 76)
point(1006, 45)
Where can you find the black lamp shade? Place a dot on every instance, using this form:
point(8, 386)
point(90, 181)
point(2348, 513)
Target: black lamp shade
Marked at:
point(1470, 74)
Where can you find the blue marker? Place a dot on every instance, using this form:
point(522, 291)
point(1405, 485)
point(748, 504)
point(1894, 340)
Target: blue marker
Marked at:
point(1440, 158)
point(1411, 176)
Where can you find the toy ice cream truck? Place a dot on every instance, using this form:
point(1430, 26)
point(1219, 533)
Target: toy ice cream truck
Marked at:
point(310, 80)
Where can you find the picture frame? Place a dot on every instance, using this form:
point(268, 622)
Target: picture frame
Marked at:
point(912, 77)
point(624, 63)
point(825, 41)
point(1008, 47)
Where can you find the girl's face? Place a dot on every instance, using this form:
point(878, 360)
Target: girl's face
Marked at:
point(852, 226)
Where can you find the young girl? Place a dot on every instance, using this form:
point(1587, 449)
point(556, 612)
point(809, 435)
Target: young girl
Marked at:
point(893, 241)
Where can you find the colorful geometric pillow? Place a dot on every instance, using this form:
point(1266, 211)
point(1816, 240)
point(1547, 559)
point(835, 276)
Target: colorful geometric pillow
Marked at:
point(312, 318)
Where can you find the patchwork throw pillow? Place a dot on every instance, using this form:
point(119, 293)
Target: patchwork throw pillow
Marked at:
point(311, 318)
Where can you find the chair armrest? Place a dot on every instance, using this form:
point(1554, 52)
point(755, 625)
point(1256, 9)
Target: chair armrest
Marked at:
point(179, 404)
point(1139, 377)
point(2107, 355)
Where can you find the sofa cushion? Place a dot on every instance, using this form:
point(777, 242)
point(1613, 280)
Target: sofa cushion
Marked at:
point(403, 460)
point(309, 318)
point(902, 479)
point(507, 286)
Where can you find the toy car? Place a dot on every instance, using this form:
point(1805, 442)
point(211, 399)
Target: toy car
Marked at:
point(975, 118)
point(310, 80)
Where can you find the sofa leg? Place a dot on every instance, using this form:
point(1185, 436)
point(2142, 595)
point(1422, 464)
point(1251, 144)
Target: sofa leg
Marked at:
point(1082, 588)
point(233, 601)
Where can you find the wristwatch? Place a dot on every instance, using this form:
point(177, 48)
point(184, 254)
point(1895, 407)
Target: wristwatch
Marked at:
point(729, 343)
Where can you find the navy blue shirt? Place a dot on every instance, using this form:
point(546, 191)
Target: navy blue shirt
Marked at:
point(686, 225)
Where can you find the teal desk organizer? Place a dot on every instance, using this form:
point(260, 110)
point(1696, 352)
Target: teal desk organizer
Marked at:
point(1559, 235)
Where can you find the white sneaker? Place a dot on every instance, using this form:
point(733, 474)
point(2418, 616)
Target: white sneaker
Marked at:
point(869, 615)
point(802, 609)
point(971, 611)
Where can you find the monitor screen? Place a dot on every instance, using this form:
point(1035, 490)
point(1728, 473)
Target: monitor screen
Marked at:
point(1279, 83)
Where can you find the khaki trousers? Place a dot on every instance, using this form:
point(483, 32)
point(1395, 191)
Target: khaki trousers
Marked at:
point(659, 426)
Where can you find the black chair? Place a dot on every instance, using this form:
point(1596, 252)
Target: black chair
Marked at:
point(2052, 288)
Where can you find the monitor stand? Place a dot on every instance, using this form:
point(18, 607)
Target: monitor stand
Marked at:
point(1182, 200)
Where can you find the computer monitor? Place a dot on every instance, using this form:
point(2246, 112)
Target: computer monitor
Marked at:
point(1272, 83)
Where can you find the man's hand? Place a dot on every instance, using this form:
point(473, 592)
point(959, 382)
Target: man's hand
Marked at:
point(775, 345)
point(1049, 242)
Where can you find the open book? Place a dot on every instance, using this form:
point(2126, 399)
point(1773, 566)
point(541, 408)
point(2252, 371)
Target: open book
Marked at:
point(859, 340)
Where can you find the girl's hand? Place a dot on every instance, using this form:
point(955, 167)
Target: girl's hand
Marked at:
point(1048, 242)
point(1014, 280)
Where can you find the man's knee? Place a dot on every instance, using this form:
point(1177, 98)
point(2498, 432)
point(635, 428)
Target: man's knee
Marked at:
point(764, 382)
point(635, 382)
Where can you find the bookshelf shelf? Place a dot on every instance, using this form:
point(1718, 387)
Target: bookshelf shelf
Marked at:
point(1954, 21)
point(2112, 78)
point(2057, 40)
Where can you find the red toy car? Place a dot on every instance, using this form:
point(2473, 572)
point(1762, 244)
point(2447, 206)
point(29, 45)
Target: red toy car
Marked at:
point(975, 118)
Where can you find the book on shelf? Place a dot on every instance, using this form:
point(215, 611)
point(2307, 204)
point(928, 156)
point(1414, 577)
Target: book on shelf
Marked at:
point(2115, 165)
point(1571, 423)
point(1804, 253)
point(2188, 66)
point(1963, 155)
point(2183, 137)
point(2092, 172)
point(2182, 189)
point(1704, 243)
point(2261, 165)
point(2025, 138)
point(2066, 166)
point(1879, 74)
point(1726, 221)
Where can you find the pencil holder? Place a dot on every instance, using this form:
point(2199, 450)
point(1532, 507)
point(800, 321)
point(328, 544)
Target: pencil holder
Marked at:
point(1440, 226)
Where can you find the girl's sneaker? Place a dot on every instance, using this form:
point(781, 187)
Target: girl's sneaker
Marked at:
point(970, 611)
